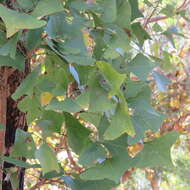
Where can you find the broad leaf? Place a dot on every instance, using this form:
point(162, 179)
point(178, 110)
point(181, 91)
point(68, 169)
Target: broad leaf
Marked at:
point(135, 12)
point(31, 105)
point(47, 7)
point(20, 163)
point(26, 85)
point(112, 168)
point(141, 66)
point(110, 11)
point(114, 78)
point(120, 123)
point(102, 102)
point(16, 21)
point(140, 33)
point(92, 155)
point(10, 47)
point(161, 81)
point(17, 63)
point(78, 184)
point(24, 145)
point(47, 159)
point(159, 152)
point(67, 105)
point(123, 14)
point(78, 135)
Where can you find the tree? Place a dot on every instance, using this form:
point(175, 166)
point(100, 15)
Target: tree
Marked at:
point(77, 73)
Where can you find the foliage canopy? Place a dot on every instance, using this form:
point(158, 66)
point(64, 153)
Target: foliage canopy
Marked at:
point(88, 94)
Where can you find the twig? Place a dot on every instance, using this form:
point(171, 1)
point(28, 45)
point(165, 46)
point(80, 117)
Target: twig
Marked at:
point(70, 157)
point(159, 18)
point(152, 13)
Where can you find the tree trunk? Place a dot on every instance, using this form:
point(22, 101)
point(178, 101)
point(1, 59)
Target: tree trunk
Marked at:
point(12, 118)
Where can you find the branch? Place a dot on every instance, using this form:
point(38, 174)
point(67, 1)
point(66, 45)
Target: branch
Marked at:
point(70, 157)
point(181, 7)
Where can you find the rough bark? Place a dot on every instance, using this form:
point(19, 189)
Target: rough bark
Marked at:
point(12, 118)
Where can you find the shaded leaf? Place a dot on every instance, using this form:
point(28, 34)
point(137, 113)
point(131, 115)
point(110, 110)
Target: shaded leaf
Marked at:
point(10, 47)
point(47, 7)
point(120, 123)
point(141, 66)
point(24, 145)
point(26, 85)
point(17, 63)
point(67, 105)
point(16, 21)
point(101, 104)
point(158, 150)
point(92, 154)
point(47, 159)
point(140, 33)
point(161, 81)
point(114, 78)
point(78, 135)
point(135, 12)
point(113, 168)
point(20, 163)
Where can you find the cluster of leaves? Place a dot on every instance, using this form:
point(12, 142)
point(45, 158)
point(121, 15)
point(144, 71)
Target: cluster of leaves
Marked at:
point(88, 92)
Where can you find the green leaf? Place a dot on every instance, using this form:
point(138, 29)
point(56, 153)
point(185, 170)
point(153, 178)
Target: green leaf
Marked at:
point(103, 125)
point(101, 104)
point(17, 63)
point(112, 168)
point(140, 33)
point(14, 181)
point(120, 123)
point(31, 105)
point(78, 184)
point(92, 154)
point(67, 105)
point(114, 78)
point(161, 81)
point(117, 42)
point(47, 159)
point(33, 38)
point(159, 152)
point(26, 85)
point(110, 11)
point(93, 118)
point(123, 14)
point(16, 21)
point(27, 4)
point(135, 12)
point(141, 66)
point(78, 135)
point(133, 88)
point(10, 47)
point(20, 163)
point(47, 7)
point(24, 145)
point(80, 59)
point(54, 174)
point(47, 128)
point(56, 118)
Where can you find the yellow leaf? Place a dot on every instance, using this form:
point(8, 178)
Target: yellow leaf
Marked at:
point(45, 98)
point(174, 103)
